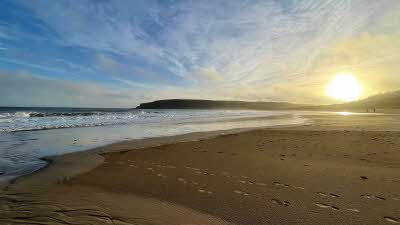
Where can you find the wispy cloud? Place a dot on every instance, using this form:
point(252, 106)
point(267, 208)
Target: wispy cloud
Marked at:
point(24, 89)
point(3, 33)
point(249, 49)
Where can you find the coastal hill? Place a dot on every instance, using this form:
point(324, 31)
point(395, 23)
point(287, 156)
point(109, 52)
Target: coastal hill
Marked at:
point(389, 100)
point(211, 104)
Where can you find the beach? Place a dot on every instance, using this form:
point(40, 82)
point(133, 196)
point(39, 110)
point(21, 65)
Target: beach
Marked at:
point(339, 169)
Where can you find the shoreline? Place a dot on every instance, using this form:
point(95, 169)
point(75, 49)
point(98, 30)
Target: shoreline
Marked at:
point(118, 135)
point(214, 133)
point(139, 144)
point(119, 146)
point(240, 176)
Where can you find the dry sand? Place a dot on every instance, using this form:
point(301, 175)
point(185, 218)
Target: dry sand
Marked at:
point(340, 170)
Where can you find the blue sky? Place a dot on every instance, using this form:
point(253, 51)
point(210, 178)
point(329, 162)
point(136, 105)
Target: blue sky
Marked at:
point(120, 53)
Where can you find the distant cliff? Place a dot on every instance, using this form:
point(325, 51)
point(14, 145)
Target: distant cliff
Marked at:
point(210, 104)
point(389, 100)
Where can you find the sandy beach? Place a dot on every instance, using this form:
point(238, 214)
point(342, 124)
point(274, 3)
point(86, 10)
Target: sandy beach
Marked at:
point(228, 112)
point(338, 170)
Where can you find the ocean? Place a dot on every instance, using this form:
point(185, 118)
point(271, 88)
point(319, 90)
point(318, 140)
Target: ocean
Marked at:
point(27, 134)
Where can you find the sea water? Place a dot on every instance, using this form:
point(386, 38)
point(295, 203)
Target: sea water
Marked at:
point(28, 134)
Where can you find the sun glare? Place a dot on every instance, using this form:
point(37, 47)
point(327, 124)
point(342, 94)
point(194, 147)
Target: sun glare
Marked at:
point(344, 87)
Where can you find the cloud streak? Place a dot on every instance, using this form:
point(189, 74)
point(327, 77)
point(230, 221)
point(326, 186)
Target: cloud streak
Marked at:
point(250, 49)
point(24, 89)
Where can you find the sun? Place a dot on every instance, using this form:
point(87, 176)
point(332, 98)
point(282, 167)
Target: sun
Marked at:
point(344, 87)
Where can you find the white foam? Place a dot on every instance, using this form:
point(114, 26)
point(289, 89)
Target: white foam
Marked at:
point(23, 121)
point(90, 130)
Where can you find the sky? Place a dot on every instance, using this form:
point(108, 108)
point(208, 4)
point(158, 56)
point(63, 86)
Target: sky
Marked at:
point(101, 53)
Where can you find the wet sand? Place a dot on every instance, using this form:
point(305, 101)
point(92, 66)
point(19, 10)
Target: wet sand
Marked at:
point(339, 170)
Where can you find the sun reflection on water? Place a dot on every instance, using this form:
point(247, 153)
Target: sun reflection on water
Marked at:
point(345, 113)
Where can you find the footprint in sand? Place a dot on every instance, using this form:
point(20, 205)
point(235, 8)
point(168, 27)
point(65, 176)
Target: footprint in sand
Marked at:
point(380, 198)
point(241, 192)
point(334, 195)
point(324, 206)
point(353, 210)
point(204, 191)
point(204, 173)
point(366, 196)
point(298, 187)
point(161, 175)
point(167, 166)
point(182, 180)
point(280, 184)
point(287, 185)
point(279, 202)
point(326, 194)
point(192, 168)
point(245, 182)
point(199, 171)
point(373, 196)
point(391, 219)
point(225, 174)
